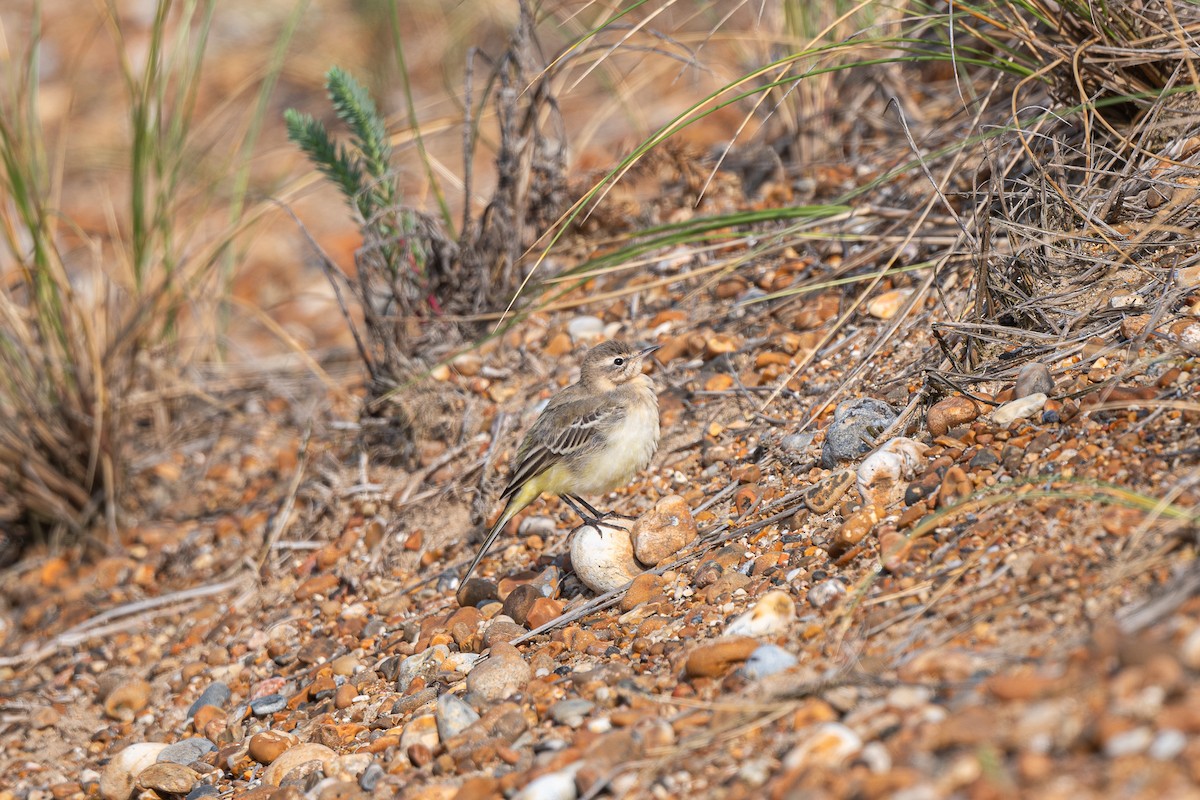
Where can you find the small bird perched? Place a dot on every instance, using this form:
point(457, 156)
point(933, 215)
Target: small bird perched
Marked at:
point(593, 436)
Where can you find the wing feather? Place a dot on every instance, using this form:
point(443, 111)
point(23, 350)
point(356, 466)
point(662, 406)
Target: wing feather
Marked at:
point(549, 443)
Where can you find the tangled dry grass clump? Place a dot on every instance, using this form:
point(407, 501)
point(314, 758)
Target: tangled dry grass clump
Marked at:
point(1086, 210)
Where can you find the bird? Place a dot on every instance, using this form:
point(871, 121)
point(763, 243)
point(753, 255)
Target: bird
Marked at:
point(592, 437)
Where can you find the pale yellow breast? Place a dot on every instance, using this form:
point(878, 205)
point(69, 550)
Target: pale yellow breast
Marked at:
point(631, 445)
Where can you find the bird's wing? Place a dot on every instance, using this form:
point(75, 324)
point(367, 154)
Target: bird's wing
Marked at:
point(549, 441)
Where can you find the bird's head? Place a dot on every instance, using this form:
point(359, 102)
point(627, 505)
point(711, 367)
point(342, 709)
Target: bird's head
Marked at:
point(609, 364)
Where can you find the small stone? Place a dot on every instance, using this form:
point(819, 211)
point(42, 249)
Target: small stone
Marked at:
point(603, 560)
point(125, 701)
point(207, 717)
point(347, 767)
point(828, 745)
point(503, 674)
point(345, 665)
point(316, 585)
point(117, 780)
point(544, 610)
point(554, 786)
point(43, 717)
point(1019, 409)
point(479, 787)
point(881, 475)
point(826, 593)
point(168, 778)
point(855, 427)
point(266, 746)
point(585, 329)
point(1189, 650)
point(1167, 745)
point(817, 311)
point(713, 659)
point(453, 716)
point(559, 345)
point(663, 531)
point(502, 629)
point(767, 660)
point(950, 412)
point(468, 364)
point(825, 496)
point(1129, 742)
point(422, 730)
point(202, 791)
point(644, 587)
point(772, 615)
point(476, 592)
point(797, 444)
point(215, 694)
point(1033, 378)
point(419, 755)
point(424, 664)
point(1134, 325)
point(306, 758)
point(186, 751)
point(570, 712)
point(853, 530)
point(886, 305)
point(370, 777)
point(270, 704)
point(265, 687)
point(344, 697)
point(719, 344)
point(518, 603)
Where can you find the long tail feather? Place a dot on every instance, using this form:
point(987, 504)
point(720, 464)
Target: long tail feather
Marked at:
point(510, 511)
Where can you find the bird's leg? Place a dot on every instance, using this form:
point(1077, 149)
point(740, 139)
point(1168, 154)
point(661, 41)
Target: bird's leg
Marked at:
point(589, 514)
point(599, 514)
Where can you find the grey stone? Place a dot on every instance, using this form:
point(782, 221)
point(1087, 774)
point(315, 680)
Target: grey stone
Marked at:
point(571, 712)
point(186, 751)
point(215, 694)
point(767, 660)
point(856, 425)
point(453, 716)
point(268, 704)
point(1034, 378)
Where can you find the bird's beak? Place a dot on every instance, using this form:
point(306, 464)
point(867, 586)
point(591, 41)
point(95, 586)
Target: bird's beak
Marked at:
point(648, 351)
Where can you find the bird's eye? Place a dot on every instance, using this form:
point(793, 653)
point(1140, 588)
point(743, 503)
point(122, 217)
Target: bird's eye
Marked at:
point(618, 361)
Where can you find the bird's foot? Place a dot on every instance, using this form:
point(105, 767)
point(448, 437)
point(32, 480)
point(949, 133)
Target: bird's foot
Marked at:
point(600, 522)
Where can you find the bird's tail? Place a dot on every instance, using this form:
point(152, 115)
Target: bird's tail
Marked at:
point(511, 510)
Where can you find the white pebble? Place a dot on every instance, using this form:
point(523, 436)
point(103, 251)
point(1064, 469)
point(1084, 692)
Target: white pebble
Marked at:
point(1019, 409)
point(555, 786)
point(603, 561)
point(772, 615)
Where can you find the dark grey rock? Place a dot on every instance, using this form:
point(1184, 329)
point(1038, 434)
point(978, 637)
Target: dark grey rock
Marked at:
point(1034, 378)
point(370, 777)
point(571, 712)
point(186, 751)
point(215, 694)
point(453, 716)
point(268, 704)
point(856, 425)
